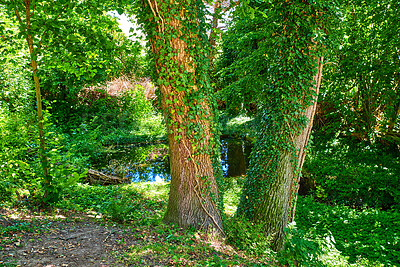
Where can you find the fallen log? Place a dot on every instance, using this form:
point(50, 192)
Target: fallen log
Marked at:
point(96, 177)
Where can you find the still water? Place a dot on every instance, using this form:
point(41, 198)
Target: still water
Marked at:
point(150, 163)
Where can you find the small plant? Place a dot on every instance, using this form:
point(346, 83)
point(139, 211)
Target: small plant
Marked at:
point(123, 208)
point(247, 236)
point(299, 249)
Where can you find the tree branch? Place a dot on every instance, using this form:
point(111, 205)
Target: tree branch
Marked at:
point(18, 15)
point(55, 19)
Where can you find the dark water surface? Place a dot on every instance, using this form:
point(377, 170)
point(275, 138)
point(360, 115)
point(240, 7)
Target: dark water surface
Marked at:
point(150, 163)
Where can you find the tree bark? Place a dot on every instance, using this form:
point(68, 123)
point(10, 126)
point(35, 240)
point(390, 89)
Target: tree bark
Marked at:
point(193, 197)
point(301, 141)
point(34, 65)
point(271, 200)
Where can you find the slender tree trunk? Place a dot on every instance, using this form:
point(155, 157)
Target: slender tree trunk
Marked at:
point(39, 108)
point(396, 112)
point(34, 65)
point(175, 39)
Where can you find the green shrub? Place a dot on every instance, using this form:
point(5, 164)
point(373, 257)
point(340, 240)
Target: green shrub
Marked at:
point(371, 236)
point(353, 173)
point(300, 250)
point(247, 236)
point(20, 163)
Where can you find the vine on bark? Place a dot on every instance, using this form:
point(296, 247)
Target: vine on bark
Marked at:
point(289, 53)
point(176, 31)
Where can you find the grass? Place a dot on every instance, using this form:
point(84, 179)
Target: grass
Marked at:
point(368, 237)
point(345, 236)
point(323, 235)
point(141, 206)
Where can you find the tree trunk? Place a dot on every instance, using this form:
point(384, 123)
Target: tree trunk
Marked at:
point(235, 158)
point(176, 44)
point(270, 192)
point(396, 112)
point(34, 65)
point(301, 141)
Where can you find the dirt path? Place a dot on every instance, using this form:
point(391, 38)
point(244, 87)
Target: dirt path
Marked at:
point(67, 242)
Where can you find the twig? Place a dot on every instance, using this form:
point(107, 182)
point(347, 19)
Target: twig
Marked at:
point(155, 14)
point(105, 239)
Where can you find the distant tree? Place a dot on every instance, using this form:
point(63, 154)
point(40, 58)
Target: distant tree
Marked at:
point(362, 95)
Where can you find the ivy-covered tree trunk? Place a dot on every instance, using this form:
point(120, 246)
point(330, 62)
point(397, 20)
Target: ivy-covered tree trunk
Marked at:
point(270, 192)
point(285, 119)
point(301, 140)
point(176, 34)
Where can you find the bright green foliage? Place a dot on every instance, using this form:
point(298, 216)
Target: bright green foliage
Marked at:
point(129, 112)
point(69, 41)
point(247, 236)
point(83, 46)
point(300, 249)
point(19, 160)
point(361, 95)
point(366, 238)
point(354, 173)
point(121, 205)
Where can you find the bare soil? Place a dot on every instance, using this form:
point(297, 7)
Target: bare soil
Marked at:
point(63, 241)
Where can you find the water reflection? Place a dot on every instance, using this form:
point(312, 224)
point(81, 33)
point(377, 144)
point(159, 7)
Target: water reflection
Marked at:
point(139, 162)
point(235, 154)
point(151, 162)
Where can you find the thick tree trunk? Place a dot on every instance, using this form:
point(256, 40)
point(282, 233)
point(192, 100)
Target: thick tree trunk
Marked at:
point(301, 141)
point(235, 158)
point(193, 197)
point(270, 199)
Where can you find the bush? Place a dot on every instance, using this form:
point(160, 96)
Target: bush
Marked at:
point(300, 250)
point(354, 173)
point(247, 236)
point(370, 236)
point(21, 167)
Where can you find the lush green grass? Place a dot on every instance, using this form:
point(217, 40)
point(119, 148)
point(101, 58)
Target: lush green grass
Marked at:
point(323, 236)
point(338, 235)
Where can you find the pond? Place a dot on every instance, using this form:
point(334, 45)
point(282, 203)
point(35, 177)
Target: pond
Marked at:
point(150, 162)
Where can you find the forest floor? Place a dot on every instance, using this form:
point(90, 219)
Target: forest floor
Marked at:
point(62, 240)
point(78, 239)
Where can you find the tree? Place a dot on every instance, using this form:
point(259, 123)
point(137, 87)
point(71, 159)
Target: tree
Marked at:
point(281, 63)
point(362, 96)
point(28, 32)
point(42, 25)
point(176, 34)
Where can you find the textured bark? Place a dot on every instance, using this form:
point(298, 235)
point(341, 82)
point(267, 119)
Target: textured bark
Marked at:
point(193, 195)
point(235, 159)
point(275, 197)
point(301, 141)
point(393, 118)
point(279, 202)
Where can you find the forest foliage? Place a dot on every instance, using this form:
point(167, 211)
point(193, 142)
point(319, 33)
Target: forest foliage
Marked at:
point(96, 92)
